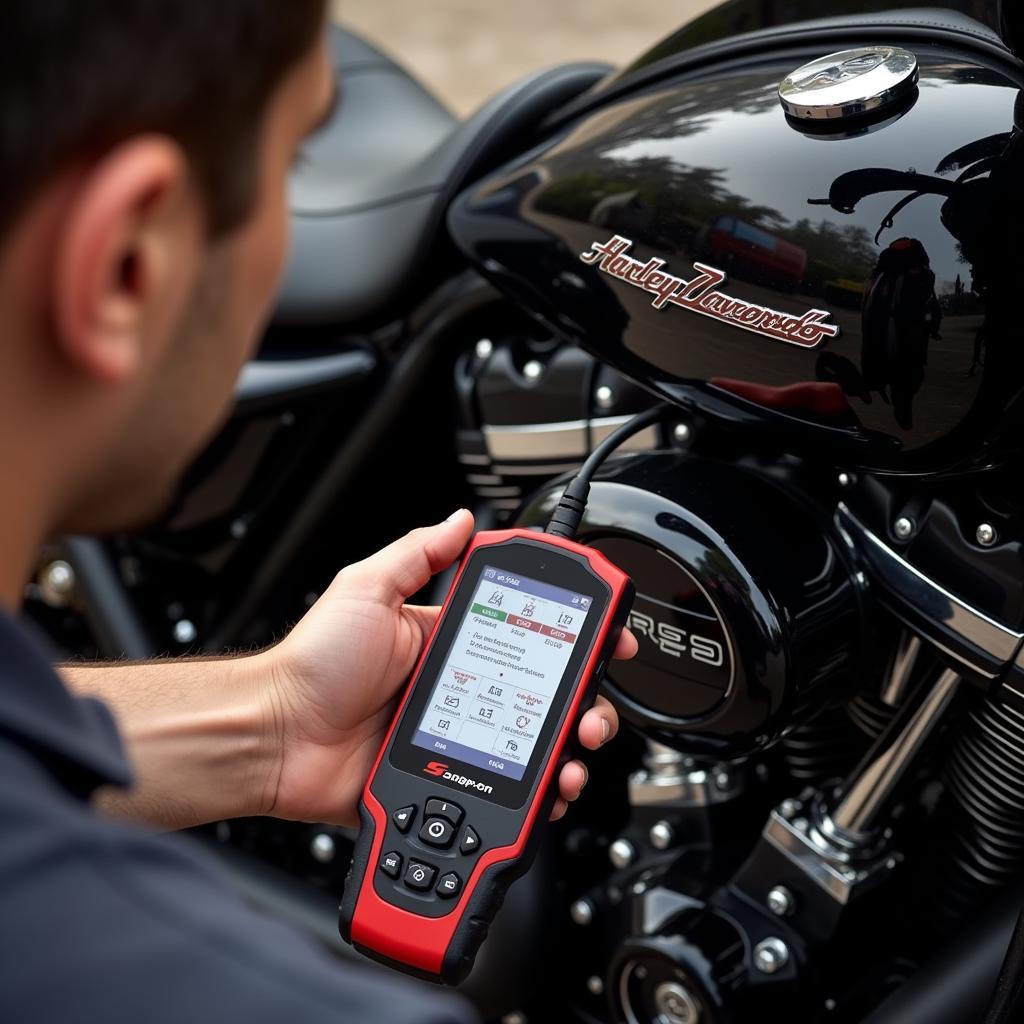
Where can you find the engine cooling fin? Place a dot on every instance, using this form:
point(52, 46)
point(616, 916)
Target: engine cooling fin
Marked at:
point(870, 714)
point(983, 812)
point(826, 747)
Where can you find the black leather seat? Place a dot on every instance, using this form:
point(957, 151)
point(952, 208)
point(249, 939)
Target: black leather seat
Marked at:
point(369, 199)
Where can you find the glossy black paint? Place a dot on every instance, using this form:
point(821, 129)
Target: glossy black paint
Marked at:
point(778, 586)
point(740, 16)
point(926, 372)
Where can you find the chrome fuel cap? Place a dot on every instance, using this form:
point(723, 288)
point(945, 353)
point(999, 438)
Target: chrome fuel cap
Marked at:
point(849, 83)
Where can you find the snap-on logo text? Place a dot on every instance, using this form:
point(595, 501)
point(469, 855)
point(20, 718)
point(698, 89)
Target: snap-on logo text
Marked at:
point(440, 770)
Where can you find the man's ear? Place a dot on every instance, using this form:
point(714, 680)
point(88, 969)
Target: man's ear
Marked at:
point(120, 255)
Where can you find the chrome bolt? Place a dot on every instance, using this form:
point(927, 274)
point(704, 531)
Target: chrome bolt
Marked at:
point(621, 853)
point(661, 835)
point(604, 396)
point(239, 529)
point(582, 912)
point(789, 807)
point(846, 480)
point(639, 888)
point(903, 528)
point(986, 534)
point(484, 348)
point(675, 1005)
point(800, 824)
point(57, 584)
point(722, 780)
point(780, 901)
point(681, 433)
point(595, 986)
point(771, 955)
point(533, 370)
point(515, 1017)
point(322, 848)
point(185, 631)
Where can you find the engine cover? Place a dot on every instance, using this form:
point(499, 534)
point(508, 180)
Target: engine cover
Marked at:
point(748, 609)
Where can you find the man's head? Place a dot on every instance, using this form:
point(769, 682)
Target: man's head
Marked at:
point(146, 146)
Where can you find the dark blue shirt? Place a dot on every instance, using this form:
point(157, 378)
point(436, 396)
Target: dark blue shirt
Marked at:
point(103, 923)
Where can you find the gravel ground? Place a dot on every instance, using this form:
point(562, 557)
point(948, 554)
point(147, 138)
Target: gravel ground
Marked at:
point(466, 50)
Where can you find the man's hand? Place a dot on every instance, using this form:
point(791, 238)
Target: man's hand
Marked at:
point(329, 688)
point(292, 731)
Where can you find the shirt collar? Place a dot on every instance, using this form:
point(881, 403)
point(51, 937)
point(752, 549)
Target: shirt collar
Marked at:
point(74, 737)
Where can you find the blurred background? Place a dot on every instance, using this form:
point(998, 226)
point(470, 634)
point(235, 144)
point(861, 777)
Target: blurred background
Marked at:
point(466, 50)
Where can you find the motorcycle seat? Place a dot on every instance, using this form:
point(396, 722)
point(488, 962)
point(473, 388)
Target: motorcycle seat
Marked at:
point(368, 196)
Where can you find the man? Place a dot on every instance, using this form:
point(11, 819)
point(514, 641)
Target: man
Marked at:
point(146, 146)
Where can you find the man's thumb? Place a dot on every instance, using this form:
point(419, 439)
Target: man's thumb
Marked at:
point(403, 567)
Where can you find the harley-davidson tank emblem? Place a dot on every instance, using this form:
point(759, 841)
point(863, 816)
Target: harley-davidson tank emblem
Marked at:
point(699, 294)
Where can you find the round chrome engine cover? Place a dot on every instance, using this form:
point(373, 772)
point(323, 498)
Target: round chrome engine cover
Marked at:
point(849, 83)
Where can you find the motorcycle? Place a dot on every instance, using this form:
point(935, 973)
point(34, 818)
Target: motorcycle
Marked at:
point(796, 224)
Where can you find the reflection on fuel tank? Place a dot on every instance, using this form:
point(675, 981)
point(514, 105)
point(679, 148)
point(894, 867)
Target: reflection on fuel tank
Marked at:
point(901, 313)
point(743, 250)
point(899, 316)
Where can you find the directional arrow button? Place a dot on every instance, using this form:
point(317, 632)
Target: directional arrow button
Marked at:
point(403, 817)
point(470, 841)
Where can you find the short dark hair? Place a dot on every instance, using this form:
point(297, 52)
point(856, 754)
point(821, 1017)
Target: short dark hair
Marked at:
point(79, 76)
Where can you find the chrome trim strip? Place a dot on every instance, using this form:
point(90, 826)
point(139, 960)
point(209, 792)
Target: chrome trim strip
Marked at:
point(642, 442)
point(498, 492)
point(534, 469)
point(566, 439)
point(902, 580)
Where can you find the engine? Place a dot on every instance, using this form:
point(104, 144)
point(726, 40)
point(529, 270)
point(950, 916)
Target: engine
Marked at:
point(828, 780)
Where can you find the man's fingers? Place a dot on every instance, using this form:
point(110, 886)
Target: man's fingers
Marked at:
point(403, 567)
point(572, 780)
point(626, 647)
point(599, 724)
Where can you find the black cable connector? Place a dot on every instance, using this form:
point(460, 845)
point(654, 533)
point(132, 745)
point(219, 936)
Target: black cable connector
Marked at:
point(568, 514)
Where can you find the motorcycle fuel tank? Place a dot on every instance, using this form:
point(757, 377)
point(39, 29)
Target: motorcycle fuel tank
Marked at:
point(846, 283)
